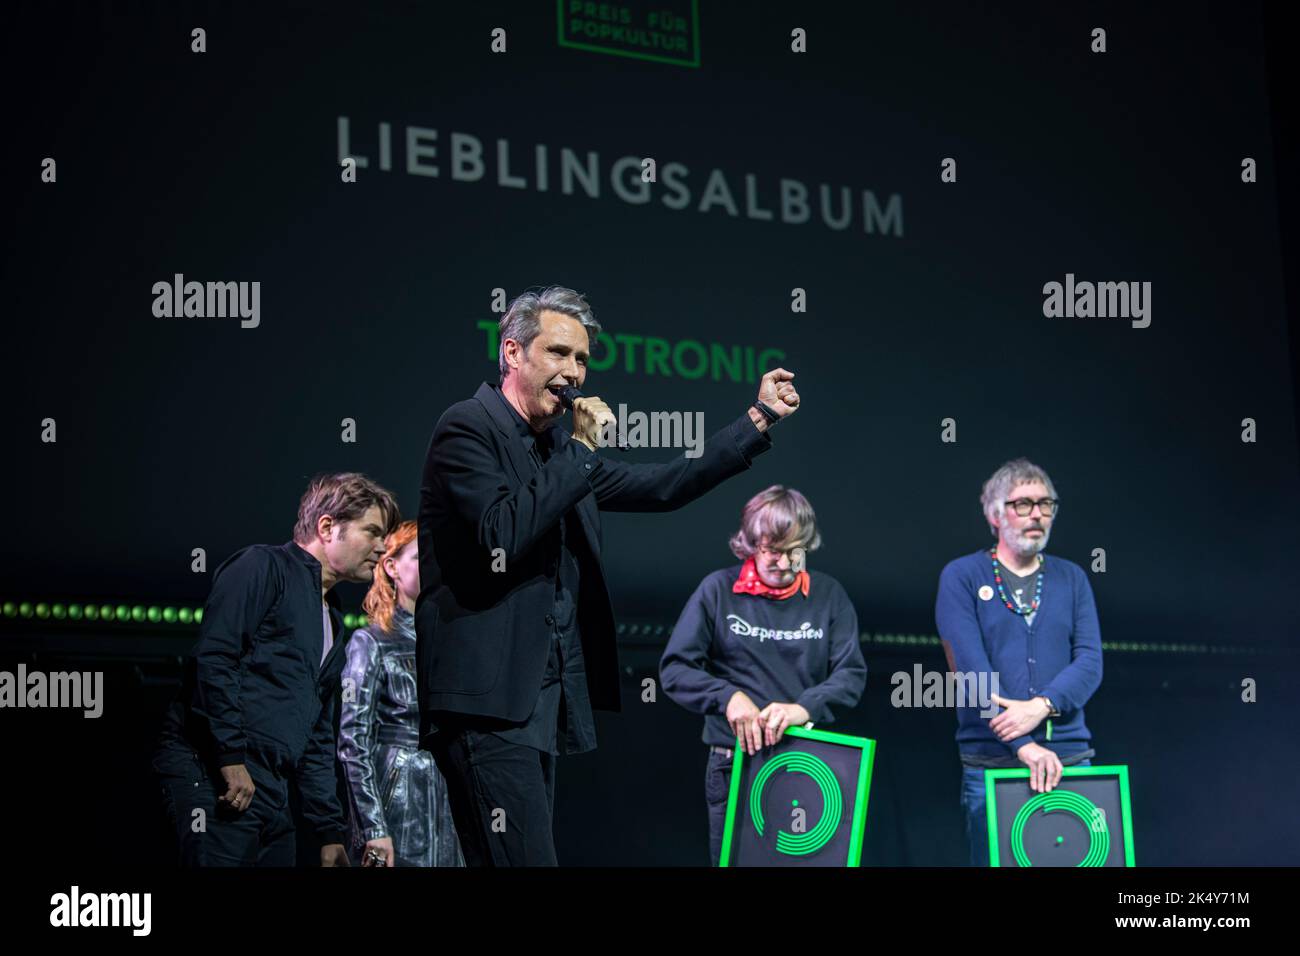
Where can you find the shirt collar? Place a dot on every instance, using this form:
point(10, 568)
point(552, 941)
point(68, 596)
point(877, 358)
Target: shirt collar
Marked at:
point(520, 423)
point(308, 560)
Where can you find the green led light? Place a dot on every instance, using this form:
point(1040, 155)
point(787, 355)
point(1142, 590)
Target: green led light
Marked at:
point(185, 614)
point(349, 621)
point(198, 615)
point(154, 614)
point(137, 614)
point(25, 609)
point(92, 612)
point(42, 610)
point(123, 612)
point(363, 620)
point(169, 615)
point(74, 612)
point(10, 609)
point(106, 612)
point(59, 612)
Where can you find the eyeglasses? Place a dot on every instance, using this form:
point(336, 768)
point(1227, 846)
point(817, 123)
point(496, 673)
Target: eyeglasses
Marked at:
point(777, 552)
point(1024, 506)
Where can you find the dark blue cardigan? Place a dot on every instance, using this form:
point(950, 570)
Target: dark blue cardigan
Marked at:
point(1059, 656)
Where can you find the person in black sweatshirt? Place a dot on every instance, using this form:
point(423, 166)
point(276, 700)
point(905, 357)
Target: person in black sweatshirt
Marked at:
point(763, 645)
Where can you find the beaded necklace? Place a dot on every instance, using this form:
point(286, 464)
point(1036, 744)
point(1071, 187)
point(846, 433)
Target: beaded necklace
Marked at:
point(1002, 593)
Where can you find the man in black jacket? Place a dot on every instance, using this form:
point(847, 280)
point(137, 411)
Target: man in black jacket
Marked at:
point(258, 700)
point(515, 629)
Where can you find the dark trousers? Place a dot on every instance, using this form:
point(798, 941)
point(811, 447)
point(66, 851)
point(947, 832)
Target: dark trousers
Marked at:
point(502, 797)
point(717, 786)
point(209, 833)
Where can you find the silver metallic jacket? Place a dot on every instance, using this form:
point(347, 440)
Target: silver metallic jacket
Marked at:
point(394, 787)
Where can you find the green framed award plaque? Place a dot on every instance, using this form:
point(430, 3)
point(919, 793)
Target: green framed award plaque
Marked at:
point(1085, 821)
point(802, 802)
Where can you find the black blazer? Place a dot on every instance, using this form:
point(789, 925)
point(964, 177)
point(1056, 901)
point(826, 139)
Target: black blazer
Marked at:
point(481, 635)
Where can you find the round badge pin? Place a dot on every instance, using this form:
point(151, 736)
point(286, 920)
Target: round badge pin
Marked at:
point(986, 593)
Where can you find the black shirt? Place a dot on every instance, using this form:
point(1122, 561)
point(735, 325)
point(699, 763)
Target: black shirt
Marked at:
point(561, 721)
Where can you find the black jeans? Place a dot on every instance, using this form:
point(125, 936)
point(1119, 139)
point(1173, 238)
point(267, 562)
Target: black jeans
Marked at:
point(209, 833)
point(717, 786)
point(502, 797)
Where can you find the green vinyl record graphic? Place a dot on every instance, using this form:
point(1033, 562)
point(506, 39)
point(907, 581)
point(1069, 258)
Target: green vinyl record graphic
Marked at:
point(800, 803)
point(1084, 821)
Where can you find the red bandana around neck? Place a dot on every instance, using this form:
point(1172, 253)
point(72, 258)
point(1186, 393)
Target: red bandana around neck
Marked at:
point(750, 583)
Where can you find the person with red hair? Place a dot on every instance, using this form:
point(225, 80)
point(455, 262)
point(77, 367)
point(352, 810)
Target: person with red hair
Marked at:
point(399, 813)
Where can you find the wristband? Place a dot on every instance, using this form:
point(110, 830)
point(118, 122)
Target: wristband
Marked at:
point(771, 416)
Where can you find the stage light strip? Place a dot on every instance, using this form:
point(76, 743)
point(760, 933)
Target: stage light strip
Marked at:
point(47, 612)
point(932, 640)
point(109, 613)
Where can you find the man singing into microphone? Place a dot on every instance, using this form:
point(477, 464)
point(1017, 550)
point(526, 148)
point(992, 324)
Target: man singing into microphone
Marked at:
point(514, 625)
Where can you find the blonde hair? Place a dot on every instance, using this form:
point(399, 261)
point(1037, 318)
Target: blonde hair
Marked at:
point(381, 599)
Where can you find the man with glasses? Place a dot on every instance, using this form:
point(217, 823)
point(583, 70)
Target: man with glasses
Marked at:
point(1031, 622)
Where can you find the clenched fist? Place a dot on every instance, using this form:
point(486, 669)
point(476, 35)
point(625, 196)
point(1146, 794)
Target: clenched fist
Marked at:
point(590, 416)
point(777, 392)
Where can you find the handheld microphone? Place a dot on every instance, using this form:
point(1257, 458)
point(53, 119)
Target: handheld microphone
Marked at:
point(567, 395)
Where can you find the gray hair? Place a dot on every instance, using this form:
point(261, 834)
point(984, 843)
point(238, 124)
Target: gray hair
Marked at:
point(523, 319)
point(780, 514)
point(1018, 471)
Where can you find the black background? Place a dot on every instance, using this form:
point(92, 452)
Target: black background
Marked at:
point(183, 433)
